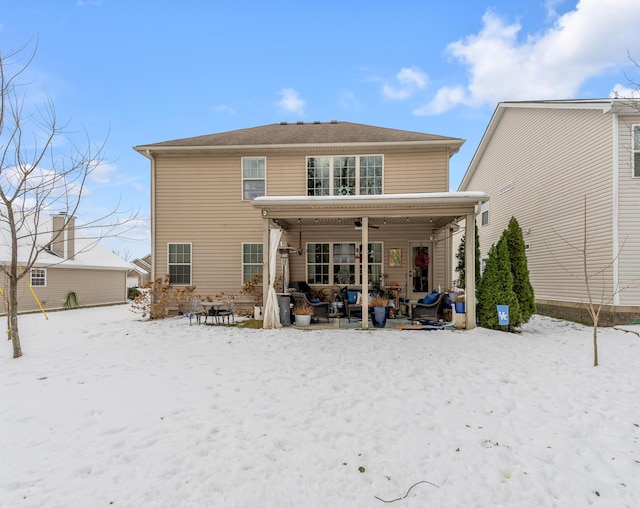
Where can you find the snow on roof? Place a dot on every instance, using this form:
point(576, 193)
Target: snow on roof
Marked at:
point(88, 252)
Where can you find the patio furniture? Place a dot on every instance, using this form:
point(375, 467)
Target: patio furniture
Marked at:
point(195, 311)
point(320, 309)
point(211, 309)
point(226, 313)
point(351, 306)
point(429, 311)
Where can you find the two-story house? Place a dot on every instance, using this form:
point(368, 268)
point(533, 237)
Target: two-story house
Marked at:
point(346, 199)
point(542, 162)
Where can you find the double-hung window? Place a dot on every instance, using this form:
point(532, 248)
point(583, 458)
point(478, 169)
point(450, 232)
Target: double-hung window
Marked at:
point(251, 261)
point(253, 177)
point(38, 277)
point(340, 263)
point(485, 213)
point(344, 175)
point(179, 263)
point(636, 151)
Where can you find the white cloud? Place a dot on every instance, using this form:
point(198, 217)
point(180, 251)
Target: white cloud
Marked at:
point(103, 173)
point(291, 101)
point(624, 92)
point(446, 98)
point(409, 81)
point(504, 65)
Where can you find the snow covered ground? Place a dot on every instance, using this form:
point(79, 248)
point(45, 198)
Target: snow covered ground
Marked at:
point(105, 409)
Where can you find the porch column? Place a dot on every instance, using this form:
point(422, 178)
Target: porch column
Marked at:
point(470, 270)
point(364, 261)
point(265, 257)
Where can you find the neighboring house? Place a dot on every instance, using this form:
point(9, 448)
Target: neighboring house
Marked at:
point(539, 161)
point(216, 200)
point(140, 272)
point(72, 270)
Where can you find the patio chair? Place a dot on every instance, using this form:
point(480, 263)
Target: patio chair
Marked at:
point(195, 311)
point(429, 311)
point(226, 313)
point(320, 309)
point(350, 305)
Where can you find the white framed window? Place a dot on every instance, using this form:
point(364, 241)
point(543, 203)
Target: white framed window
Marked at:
point(344, 175)
point(38, 277)
point(251, 261)
point(254, 177)
point(635, 133)
point(485, 213)
point(339, 263)
point(179, 263)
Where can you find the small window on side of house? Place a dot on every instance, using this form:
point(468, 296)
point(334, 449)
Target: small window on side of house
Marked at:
point(636, 150)
point(251, 261)
point(254, 177)
point(485, 213)
point(179, 263)
point(38, 277)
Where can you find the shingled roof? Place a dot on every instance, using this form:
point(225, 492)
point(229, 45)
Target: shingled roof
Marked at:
point(301, 133)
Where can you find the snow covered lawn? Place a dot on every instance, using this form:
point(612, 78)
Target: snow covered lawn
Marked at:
point(105, 409)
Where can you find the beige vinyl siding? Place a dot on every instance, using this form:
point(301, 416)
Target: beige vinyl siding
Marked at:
point(198, 200)
point(391, 237)
point(628, 215)
point(93, 287)
point(553, 158)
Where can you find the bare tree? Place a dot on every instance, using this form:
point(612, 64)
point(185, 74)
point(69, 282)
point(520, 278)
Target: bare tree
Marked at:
point(42, 170)
point(598, 295)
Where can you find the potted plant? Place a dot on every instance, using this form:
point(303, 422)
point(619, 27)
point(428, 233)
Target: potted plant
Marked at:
point(303, 313)
point(379, 310)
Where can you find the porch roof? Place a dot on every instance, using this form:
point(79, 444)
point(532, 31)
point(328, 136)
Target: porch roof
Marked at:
point(439, 207)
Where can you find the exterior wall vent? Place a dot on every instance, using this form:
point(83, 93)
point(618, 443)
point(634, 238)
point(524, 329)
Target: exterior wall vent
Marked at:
point(506, 188)
point(527, 246)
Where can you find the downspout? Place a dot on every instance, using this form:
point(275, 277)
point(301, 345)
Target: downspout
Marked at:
point(152, 218)
point(615, 211)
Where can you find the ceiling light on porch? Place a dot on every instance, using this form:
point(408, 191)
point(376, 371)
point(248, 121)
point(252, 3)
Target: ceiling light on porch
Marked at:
point(357, 225)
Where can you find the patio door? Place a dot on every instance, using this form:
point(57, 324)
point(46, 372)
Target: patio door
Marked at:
point(419, 280)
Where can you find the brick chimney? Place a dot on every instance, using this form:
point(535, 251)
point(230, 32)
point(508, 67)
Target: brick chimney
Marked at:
point(64, 244)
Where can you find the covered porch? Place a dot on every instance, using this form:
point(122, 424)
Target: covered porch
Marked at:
point(326, 235)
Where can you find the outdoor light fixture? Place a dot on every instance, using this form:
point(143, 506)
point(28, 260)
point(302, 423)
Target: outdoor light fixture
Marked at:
point(358, 225)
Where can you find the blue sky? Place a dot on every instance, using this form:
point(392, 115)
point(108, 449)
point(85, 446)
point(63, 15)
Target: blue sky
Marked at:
point(147, 71)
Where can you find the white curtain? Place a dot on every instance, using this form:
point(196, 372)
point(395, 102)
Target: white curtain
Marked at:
point(271, 315)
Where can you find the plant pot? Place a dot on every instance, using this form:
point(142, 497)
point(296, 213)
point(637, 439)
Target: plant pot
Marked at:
point(303, 319)
point(379, 317)
point(459, 307)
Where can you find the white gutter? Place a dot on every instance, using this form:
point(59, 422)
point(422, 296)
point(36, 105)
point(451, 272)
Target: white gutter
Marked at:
point(454, 144)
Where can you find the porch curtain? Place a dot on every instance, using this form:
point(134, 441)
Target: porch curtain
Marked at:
point(271, 315)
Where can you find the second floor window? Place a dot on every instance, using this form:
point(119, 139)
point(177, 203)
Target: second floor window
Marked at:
point(344, 175)
point(253, 177)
